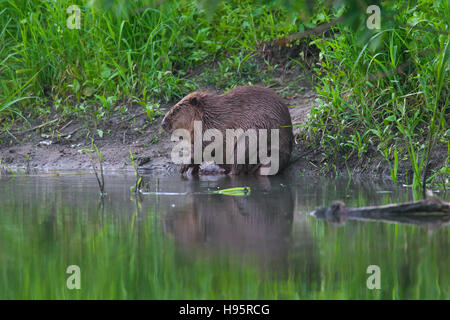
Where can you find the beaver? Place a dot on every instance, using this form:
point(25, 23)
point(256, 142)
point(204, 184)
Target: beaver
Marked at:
point(245, 107)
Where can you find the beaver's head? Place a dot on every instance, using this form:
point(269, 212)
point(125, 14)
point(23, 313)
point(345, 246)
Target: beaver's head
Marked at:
point(184, 113)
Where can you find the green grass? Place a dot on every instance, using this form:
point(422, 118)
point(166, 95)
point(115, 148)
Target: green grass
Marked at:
point(380, 92)
point(386, 91)
point(143, 56)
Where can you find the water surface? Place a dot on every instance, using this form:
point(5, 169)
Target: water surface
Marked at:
point(181, 241)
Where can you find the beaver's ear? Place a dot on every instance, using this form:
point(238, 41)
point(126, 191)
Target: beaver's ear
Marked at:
point(195, 101)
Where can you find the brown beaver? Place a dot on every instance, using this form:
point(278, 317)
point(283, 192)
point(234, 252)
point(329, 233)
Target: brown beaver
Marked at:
point(247, 107)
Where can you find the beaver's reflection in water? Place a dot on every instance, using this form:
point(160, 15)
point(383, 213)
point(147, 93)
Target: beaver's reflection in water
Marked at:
point(254, 226)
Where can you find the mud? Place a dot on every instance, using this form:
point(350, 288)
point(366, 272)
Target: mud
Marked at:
point(60, 150)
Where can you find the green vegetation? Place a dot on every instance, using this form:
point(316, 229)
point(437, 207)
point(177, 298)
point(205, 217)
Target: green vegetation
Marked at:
point(143, 56)
point(381, 93)
point(386, 92)
point(237, 191)
point(97, 168)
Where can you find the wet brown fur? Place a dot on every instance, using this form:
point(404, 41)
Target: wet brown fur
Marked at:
point(249, 107)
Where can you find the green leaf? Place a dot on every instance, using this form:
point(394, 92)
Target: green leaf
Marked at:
point(238, 191)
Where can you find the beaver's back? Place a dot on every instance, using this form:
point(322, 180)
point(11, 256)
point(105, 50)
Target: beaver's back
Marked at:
point(253, 107)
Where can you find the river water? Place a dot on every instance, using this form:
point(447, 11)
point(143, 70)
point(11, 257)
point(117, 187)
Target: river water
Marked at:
point(182, 239)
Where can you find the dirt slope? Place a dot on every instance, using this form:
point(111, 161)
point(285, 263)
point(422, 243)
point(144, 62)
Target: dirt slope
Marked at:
point(42, 152)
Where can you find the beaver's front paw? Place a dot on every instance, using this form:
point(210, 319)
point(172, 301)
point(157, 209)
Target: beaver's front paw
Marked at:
point(189, 168)
point(184, 168)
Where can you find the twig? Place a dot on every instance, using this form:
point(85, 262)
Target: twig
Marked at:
point(40, 126)
point(134, 116)
point(11, 134)
point(303, 155)
point(65, 126)
point(317, 30)
point(71, 133)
